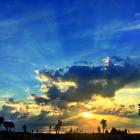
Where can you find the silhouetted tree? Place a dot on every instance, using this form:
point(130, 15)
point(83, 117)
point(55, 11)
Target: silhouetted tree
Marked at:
point(9, 126)
point(50, 129)
point(32, 131)
point(70, 131)
point(124, 132)
point(119, 131)
point(56, 129)
point(24, 128)
point(1, 121)
point(106, 131)
point(77, 130)
point(139, 109)
point(104, 124)
point(115, 131)
point(57, 126)
point(99, 129)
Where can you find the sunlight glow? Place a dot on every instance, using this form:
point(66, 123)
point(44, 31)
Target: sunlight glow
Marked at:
point(86, 114)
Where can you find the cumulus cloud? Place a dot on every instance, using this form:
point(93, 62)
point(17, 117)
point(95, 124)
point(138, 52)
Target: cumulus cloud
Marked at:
point(44, 88)
point(83, 82)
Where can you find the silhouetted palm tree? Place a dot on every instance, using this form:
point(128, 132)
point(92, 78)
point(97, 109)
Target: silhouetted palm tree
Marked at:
point(104, 124)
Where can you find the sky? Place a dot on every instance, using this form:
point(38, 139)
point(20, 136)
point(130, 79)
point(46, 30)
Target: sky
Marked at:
point(78, 61)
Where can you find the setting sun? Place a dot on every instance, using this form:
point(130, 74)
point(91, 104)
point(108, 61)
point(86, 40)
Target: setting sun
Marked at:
point(86, 114)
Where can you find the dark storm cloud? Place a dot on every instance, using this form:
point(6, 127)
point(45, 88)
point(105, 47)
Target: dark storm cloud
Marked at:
point(38, 121)
point(32, 121)
point(95, 80)
point(54, 102)
point(6, 109)
point(39, 100)
point(7, 113)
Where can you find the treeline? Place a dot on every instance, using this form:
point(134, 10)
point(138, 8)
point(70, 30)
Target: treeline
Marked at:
point(10, 126)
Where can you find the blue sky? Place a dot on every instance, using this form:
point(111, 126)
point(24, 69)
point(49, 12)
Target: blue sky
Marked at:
point(39, 34)
point(58, 33)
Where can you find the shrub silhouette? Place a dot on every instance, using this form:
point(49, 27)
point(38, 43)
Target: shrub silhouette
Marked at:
point(118, 132)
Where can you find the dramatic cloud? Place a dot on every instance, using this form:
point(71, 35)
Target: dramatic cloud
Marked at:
point(109, 91)
point(79, 83)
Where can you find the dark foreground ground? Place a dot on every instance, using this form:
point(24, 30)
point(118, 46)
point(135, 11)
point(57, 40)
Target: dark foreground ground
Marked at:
point(22, 136)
